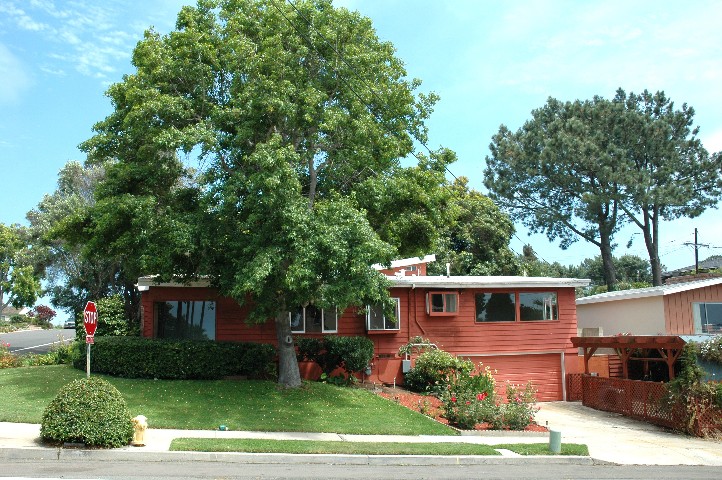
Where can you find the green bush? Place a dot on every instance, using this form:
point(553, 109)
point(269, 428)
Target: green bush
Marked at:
point(112, 320)
point(90, 411)
point(353, 354)
point(434, 369)
point(137, 357)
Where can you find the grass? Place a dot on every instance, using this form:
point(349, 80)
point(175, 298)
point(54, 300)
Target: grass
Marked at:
point(206, 404)
point(362, 448)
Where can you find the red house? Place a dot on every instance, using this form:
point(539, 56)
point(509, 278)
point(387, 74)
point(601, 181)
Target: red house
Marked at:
point(518, 326)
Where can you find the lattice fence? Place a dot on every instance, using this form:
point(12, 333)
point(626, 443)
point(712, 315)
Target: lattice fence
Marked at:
point(645, 401)
point(574, 387)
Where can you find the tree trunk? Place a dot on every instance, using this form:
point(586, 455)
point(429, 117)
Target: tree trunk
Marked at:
point(651, 241)
point(605, 248)
point(288, 374)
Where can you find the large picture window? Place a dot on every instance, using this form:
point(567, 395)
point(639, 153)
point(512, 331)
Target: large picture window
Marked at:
point(376, 319)
point(186, 320)
point(537, 306)
point(502, 306)
point(495, 307)
point(707, 318)
point(311, 319)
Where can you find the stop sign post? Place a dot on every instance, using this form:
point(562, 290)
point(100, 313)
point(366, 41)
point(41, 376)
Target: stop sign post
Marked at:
point(90, 321)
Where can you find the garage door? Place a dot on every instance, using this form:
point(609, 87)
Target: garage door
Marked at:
point(544, 370)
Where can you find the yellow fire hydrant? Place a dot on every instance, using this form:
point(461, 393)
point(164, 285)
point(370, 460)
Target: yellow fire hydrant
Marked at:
point(140, 424)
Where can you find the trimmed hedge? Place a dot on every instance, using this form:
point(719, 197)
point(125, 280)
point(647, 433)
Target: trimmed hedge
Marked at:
point(90, 411)
point(137, 357)
point(352, 354)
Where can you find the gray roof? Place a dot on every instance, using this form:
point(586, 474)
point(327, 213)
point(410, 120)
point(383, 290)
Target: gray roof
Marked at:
point(650, 291)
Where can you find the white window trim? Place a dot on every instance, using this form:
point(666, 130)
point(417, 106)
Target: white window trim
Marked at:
point(323, 325)
point(397, 309)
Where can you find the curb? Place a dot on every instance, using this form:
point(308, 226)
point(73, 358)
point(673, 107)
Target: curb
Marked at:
point(73, 455)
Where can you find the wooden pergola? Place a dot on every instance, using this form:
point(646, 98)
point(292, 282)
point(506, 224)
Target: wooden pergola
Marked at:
point(668, 346)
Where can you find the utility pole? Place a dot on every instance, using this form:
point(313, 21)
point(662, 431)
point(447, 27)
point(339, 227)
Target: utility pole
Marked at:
point(697, 246)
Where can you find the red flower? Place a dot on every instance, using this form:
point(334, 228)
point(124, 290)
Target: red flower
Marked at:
point(481, 396)
point(468, 403)
point(453, 399)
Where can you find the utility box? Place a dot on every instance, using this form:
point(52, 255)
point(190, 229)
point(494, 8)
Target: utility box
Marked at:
point(405, 365)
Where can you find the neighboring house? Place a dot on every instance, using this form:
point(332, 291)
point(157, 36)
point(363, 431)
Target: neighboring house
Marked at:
point(518, 326)
point(713, 263)
point(9, 311)
point(688, 308)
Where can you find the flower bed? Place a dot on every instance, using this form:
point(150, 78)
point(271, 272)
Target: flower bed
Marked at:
point(431, 406)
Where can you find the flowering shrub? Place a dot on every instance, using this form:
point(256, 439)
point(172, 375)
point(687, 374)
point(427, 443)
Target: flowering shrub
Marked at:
point(465, 409)
point(435, 370)
point(7, 359)
point(518, 413)
point(711, 350)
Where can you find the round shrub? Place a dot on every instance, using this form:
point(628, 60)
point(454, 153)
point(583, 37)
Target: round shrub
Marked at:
point(434, 369)
point(90, 411)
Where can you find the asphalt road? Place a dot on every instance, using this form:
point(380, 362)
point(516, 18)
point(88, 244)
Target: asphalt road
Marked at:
point(83, 469)
point(36, 341)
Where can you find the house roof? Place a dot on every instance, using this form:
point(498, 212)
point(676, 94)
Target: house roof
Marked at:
point(405, 262)
point(422, 281)
point(710, 263)
point(649, 292)
point(443, 281)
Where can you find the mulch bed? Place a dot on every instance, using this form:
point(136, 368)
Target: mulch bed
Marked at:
point(431, 406)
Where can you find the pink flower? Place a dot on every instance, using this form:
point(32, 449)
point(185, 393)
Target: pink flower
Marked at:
point(468, 403)
point(481, 396)
point(453, 399)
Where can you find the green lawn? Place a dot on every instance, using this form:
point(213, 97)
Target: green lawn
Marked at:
point(362, 448)
point(206, 404)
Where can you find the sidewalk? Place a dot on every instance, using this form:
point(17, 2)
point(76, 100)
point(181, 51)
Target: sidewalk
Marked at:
point(611, 439)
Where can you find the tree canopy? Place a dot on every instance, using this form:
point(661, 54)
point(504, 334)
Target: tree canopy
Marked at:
point(19, 281)
point(293, 116)
point(582, 169)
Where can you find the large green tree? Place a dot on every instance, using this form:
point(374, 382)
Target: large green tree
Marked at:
point(19, 280)
point(292, 113)
point(73, 278)
point(582, 169)
point(553, 174)
point(666, 173)
point(475, 239)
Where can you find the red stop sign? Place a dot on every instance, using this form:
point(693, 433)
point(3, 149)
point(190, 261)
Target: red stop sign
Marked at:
point(90, 318)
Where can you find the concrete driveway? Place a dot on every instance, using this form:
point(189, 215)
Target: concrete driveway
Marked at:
point(614, 438)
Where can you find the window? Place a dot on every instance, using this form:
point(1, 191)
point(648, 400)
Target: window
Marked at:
point(707, 317)
point(440, 303)
point(311, 319)
point(538, 306)
point(376, 320)
point(502, 307)
point(186, 320)
point(495, 307)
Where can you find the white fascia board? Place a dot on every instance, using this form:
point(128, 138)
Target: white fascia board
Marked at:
point(485, 282)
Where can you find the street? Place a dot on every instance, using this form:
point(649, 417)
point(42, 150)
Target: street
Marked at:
point(36, 341)
point(83, 469)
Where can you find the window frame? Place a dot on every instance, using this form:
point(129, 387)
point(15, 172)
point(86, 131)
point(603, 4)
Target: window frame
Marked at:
point(444, 313)
point(697, 318)
point(517, 296)
point(303, 321)
point(397, 309)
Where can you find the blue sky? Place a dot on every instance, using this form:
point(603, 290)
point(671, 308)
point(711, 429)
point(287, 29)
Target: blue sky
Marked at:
point(492, 63)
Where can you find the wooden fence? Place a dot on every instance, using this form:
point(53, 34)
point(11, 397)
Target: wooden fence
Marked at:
point(644, 401)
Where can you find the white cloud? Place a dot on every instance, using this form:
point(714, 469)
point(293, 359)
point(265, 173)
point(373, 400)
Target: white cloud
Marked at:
point(15, 78)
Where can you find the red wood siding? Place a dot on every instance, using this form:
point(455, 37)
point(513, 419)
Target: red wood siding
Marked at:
point(521, 351)
point(678, 308)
